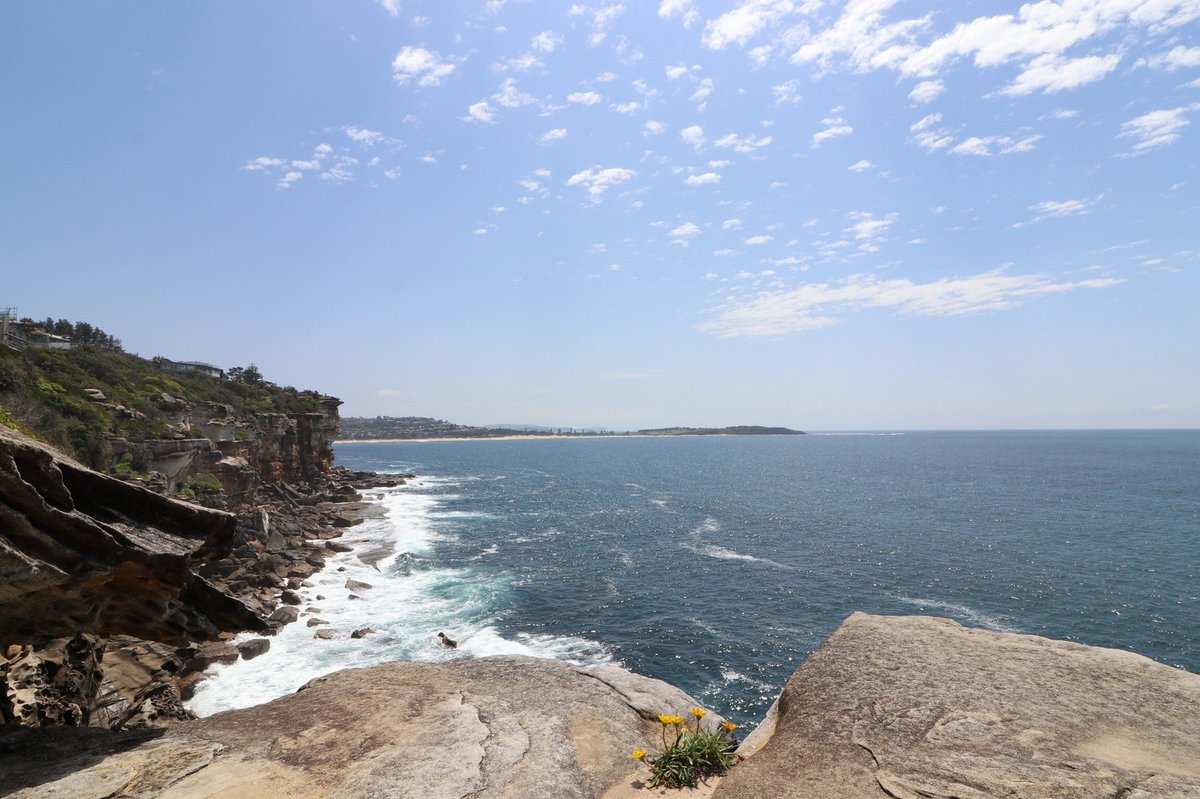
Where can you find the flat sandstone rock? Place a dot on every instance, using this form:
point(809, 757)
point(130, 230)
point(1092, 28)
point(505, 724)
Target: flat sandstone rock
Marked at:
point(923, 708)
point(514, 727)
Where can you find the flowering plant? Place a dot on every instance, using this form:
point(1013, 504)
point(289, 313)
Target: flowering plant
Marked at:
point(693, 754)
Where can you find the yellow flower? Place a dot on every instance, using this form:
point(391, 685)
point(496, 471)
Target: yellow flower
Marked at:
point(729, 725)
point(699, 712)
point(665, 719)
point(676, 719)
point(638, 754)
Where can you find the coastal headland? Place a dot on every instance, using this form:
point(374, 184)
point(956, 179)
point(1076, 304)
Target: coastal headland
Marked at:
point(423, 428)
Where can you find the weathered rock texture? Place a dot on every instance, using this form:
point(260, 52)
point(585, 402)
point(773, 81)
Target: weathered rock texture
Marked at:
point(922, 708)
point(492, 727)
point(84, 552)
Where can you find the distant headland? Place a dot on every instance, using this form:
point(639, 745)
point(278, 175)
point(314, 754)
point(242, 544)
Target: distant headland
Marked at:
point(406, 428)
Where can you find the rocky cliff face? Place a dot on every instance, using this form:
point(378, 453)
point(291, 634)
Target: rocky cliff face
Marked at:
point(84, 552)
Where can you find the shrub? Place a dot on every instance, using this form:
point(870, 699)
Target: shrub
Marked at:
point(693, 754)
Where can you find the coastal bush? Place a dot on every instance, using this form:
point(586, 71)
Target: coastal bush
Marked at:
point(692, 754)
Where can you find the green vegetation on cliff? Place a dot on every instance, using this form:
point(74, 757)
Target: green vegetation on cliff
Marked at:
point(75, 399)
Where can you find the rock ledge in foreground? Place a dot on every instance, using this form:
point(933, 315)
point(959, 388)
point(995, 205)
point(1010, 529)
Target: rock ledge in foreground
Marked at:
point(923, 708)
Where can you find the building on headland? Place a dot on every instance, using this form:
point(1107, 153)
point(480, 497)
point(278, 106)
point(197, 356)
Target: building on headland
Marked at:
point(19, 334)
point(198, 367)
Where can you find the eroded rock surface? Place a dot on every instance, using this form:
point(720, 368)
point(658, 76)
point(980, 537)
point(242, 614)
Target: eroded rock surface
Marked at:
point(82, 552)
point(923, 708)
point(492, 727)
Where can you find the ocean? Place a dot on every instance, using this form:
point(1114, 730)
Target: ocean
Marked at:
point(719, 563)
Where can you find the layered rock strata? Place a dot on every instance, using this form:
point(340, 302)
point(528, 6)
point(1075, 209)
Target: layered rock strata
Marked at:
point(84, 552)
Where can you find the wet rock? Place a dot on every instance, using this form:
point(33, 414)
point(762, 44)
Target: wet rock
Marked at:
point(358, 585)
point(253, 648)
point(361, 632)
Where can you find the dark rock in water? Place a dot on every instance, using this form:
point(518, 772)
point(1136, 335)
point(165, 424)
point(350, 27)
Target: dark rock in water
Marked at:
point(333, 546)
point(362, 632)
point(327, 634)
point(315, 622)
point(284, 614)
point(253, 648)
point(446, 641)
point(290, 597)
point(358, 585)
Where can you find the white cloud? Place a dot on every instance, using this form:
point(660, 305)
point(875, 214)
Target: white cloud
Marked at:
point(1052, 73)
point(723, 253)
point(868, 229)
point(731, 224)
point(626, 108)
point(545, 42)
point(742, 144)
point(480, 112)
point(787, 92)
point(553, 135)
point(1157, 128)
point(927, 91)
point(510, 96)
point(860, 166)
point(1176, 59)
point(702, 92)
point(262, 163)
point(364, 136)
point(391, 6)
point(685, 231)
point(693, 136)
point(706, 179)
point(1037, 36)
point(684, 9)
point(584, 98)
point(676, 72)
point(421, 65)
point(601, 18)
point(744, 22)
point(600, 179)
point(758, 241)
point(928, 134)
point(287, 180)
point(521, 63)
point(653, 127)
point(835, 127)
point(1050, 209)
point(816, 305)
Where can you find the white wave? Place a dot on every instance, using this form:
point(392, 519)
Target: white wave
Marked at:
point(731, 676)
point(725, 553)
point(412, 598)
point(961, 612)
point(709, 525)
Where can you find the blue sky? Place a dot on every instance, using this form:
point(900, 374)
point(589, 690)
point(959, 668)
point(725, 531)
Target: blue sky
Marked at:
point(826, 215)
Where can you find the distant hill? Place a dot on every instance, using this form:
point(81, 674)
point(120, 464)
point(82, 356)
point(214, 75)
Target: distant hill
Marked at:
point(736, 430)
point(359, 428)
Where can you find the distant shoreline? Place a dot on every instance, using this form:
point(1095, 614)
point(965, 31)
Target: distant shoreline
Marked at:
point(536, 436)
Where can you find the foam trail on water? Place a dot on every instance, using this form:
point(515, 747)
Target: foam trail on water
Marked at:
point(962, 612)
point(413, 596)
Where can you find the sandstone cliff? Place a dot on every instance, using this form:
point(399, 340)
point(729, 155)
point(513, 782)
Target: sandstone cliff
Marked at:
point(84, 552)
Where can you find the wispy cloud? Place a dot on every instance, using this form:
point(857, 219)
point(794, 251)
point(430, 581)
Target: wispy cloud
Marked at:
point(1051, 209)
point(926, 91)
point(1157, 128)
point(684, 9)
point(553, 134)
point(835, 127)
point(745, 22)
point(816, 305)
point(1052, 73)
point(705, 179)
point(584, 98)
point(685, 231)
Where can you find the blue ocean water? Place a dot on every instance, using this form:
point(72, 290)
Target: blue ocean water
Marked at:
point(720, 563)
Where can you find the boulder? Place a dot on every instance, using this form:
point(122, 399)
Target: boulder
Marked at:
point(909, 707)
point(358, 585)
point(253, 648)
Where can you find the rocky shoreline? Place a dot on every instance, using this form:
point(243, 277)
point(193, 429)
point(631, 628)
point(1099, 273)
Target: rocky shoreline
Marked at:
point(123, 582)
